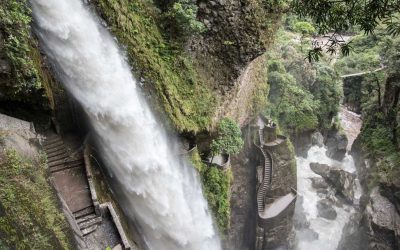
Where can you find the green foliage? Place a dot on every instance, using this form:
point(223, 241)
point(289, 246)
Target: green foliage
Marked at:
point(187, 101)
point(15, 21)
point(304, 28)
point(292, 105)
point(229, 138)
point(183, 15)
point(342, 16)
point(329, 92)
point(216, 186)
point(31, 218)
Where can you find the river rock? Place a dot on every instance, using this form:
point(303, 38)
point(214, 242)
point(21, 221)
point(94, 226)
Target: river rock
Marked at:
point(343, 182)
point(326, 210)
point(336, 144)
point(383, 221)
point(318, 183)
point(317, 139)
point(320, 169)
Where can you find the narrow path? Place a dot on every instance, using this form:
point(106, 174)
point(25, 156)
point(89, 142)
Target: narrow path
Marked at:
point(68, 173)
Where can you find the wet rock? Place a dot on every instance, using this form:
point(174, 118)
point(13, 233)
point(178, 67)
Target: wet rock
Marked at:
point(343, 182)
point(383, 221)
point(326, 210)
point(320, 169)
point(317, 139)
point(336, 144)
point(318, 183)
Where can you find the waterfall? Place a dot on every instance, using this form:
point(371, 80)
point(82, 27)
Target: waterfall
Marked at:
point(154, 187)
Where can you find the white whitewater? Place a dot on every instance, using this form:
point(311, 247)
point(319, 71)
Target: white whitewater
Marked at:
point(155, 188)
point(329, 231)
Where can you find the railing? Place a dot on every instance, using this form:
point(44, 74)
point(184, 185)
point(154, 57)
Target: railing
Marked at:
point(266, 182)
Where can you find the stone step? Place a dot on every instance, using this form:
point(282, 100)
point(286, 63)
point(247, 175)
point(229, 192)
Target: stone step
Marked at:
point(57, 154)
point(53, 145)
point(63, 156)
point(57, 162)
point(65, 161)
point(52, 150)
point(52, 139)
point(86, 218)
point(89, 230)
point(89, 223)
point(65, 167)
point(83, 212)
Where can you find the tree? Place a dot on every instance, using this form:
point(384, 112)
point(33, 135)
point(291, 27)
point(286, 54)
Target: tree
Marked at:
point(229, 138)
point(338, 16)
point(306, 29)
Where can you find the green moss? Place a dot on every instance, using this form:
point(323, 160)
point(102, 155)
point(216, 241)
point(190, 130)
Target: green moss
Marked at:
point(31, 219)
point(18, 46)
point(216, 187)
point(186, 100)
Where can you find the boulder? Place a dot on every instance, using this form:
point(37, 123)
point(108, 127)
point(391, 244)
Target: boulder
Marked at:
point(336, 144)
point(343, 182)
point(383, 221)
point(317, 139)
point(320, 169)
point(326, 210)
point(318, 183)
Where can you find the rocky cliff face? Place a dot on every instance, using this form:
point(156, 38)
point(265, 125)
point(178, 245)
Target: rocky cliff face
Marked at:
point(237, 33)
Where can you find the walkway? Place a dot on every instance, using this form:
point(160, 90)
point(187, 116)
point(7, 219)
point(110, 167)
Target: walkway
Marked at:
point(68, 173)
point(362, 73)
point(280, 204)
point(266, 182)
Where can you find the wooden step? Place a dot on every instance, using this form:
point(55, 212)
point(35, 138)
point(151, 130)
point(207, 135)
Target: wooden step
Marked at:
point(83, 212)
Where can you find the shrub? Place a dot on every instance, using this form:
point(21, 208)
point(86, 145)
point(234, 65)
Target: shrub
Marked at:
point(183, 16)
point(229, 138)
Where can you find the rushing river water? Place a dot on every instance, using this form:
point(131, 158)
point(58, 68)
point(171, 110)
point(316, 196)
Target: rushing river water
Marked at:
point(154, 187)
point(316, 232)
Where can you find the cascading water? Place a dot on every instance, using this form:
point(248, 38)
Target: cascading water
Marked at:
point(321, 233)
point(154, 187)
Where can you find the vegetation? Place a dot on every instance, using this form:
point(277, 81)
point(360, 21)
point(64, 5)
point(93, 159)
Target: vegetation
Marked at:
point(187, 101)
point(229, 138)
point(19, 49)
point(303, 96)
point(377, 95)
point(341, 16)
point(216, 187)
point(29, 217)
point(182, 19)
